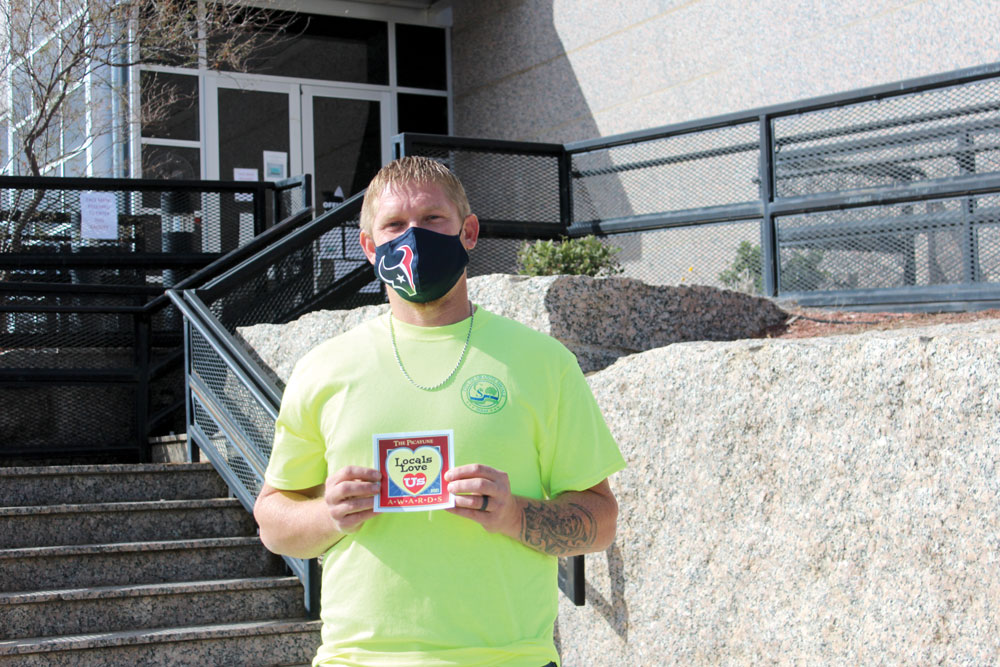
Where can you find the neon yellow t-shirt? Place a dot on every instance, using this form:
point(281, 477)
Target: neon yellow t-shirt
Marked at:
point(430, 588)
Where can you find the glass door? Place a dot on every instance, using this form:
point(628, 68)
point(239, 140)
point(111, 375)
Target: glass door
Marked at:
point(339, 134)
point(345, 139)
point(254, 133)
point(345, 142)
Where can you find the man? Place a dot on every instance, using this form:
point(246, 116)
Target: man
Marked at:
point(474, 584)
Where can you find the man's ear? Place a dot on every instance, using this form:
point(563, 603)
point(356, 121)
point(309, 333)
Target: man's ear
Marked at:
point(367, 246)
point(470, 231)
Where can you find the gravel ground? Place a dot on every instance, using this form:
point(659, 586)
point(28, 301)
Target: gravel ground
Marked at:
point(809, 322)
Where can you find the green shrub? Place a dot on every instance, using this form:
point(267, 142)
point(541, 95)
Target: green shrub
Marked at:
point(799, 270)
point(585, 256)
point(745, 272)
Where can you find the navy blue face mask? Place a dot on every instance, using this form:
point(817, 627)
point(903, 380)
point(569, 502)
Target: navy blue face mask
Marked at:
point(421, 265)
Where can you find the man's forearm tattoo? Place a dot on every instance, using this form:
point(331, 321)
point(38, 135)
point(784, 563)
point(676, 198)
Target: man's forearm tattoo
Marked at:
point(557, 529)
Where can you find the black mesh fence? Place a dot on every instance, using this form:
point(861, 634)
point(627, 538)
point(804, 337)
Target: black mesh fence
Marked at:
point(514, 188)
point(323, 266)
point(939, 133)
point(83, 220)
point(919, 244)
point(725, 255)
point(240, 433)
point(690, 170)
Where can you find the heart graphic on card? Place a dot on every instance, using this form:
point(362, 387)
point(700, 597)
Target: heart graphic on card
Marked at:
point(414, 470)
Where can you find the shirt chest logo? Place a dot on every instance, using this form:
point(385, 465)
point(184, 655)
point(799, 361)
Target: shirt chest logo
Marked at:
point(484, 394)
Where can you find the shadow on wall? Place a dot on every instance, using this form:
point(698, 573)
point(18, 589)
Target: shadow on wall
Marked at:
point(513, 81)
point(615, 610)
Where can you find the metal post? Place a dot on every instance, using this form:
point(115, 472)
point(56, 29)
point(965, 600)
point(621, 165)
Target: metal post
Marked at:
point(312, 588)
point(768, 236)
point(571, 580)
point(276, 205)
point(259, 208)
point(307, 190)
point(193, 453)
point(142, 341)
point(970, 239)
point(565, 165)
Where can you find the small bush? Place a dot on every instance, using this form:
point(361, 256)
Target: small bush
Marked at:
point(579, 257)
point(799, 270)
point(744, 275)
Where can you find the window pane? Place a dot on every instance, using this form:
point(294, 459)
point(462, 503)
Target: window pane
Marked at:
point(329, 48)
point(250, 122)
point(347, 145)
point(169, 106)
point(421, 60)
point(74, 128)
point(423, 113)
point(171, 163)
point(169, 33)
point(4, 142)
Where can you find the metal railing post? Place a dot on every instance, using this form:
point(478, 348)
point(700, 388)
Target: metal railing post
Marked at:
point(259, 208)
point(193, 452)
point(312, 588)
point(565, 190)
point(770, 266)
point(143, 345)
point(307, 190)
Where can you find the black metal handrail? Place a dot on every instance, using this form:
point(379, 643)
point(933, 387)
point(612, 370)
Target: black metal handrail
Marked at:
point(198, 318)
point(212, 350)
point(888, 146)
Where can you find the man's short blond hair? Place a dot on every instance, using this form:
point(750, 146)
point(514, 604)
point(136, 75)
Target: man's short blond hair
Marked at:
point(407, 170)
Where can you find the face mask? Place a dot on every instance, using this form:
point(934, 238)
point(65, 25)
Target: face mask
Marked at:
point(421, 265)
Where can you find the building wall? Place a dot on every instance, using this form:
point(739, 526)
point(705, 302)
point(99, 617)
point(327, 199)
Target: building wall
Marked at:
point(571, 70)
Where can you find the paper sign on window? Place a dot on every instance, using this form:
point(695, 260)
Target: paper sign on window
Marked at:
point(98, 215)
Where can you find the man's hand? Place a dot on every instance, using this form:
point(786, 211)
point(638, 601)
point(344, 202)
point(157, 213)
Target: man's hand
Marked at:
point(350, 497)
point(305, 523)
point(483, 494)
point(575, 522)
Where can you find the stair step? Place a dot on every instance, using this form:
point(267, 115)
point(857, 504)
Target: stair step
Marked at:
point(116, 608)
point(61, 485)
point(59, 525)
point(247, 644)
point(81, 566)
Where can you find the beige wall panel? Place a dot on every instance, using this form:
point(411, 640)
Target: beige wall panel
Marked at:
point(569, 70)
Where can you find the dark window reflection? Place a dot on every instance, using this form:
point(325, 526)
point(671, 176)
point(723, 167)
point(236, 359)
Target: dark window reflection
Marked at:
point(171, 163)
point(330, 48)
point(421, 57)
point(170, 106)
point(347, 144)
point(422, 113)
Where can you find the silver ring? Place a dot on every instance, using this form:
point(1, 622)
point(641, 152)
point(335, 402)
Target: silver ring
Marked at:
point(486, 501)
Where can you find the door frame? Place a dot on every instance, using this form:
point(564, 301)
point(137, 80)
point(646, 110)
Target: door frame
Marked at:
point(301, 156)
point(248, 82)
point(312, 90)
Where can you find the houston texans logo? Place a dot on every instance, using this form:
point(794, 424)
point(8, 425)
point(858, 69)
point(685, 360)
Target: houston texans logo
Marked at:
point(400, 276)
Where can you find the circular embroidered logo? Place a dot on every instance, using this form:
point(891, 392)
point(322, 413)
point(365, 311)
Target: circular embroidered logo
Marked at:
point(484, 394)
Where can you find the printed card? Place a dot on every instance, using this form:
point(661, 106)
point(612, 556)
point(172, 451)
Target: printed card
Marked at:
point(412, 466)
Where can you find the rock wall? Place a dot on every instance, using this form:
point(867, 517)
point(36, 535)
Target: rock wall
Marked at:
point(818, 501)
point(598, 319)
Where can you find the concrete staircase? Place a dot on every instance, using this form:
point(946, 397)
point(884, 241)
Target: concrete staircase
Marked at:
point(140, 564)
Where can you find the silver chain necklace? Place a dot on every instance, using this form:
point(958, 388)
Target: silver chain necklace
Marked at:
point(399, 361)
